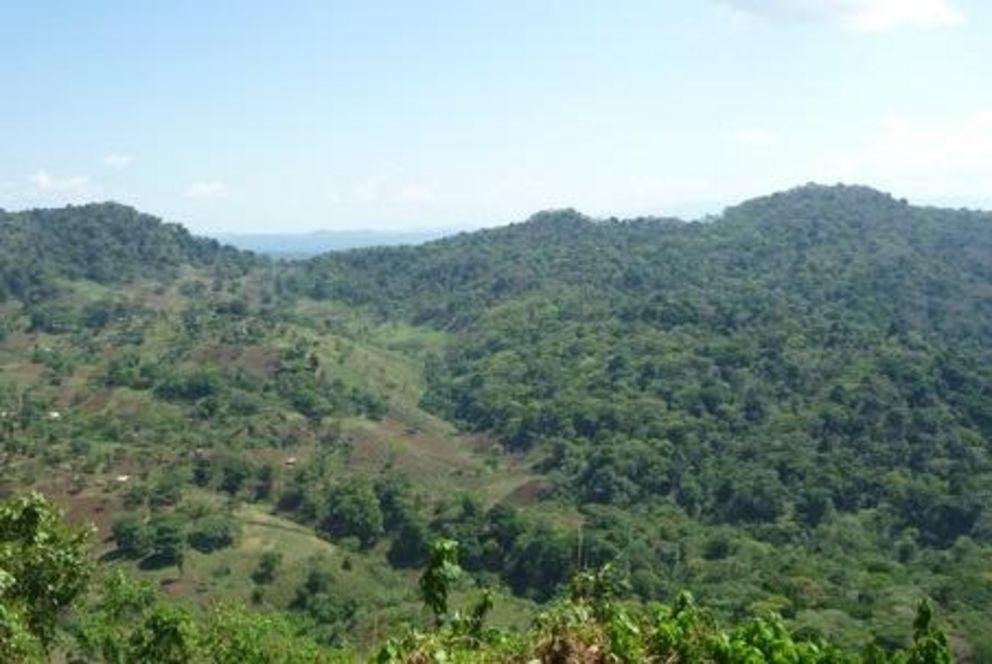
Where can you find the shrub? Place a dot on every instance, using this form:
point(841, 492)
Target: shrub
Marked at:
point(131, 536)
point(265, 572)
point(213, 532)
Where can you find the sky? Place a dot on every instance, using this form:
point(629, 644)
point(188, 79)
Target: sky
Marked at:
point(296, 116)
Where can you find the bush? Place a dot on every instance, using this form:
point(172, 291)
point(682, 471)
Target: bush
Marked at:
point(353, 510)
point(168, 542)
point(213, 532)
point(265, 572)
point(189, 386)
point(131, 536)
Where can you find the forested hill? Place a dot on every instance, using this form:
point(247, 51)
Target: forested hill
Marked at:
point(102, 242)
point(823, 348)
point(844, 246)
point(451, 281)
point(866, 255)
point(808, 368)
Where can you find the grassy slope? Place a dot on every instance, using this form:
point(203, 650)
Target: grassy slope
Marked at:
point(383, 358)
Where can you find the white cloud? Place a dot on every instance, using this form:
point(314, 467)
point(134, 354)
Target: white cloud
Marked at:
point(118, 160)
point(206, 190)
point(42, 188)
point(853, 15)
point(881, 15)
point(934, 157)
point(70, 184)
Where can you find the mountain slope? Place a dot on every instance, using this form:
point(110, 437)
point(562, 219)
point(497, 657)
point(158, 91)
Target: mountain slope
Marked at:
point(105, 242)
point(813, 244)
point(812, 360)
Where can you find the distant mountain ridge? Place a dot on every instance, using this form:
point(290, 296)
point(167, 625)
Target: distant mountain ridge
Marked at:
point(301, 245)
point(807, 239)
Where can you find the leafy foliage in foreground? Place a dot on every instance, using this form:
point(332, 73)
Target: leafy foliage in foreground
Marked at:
point(45, 573)
point(128, 622)
point(44, 567)
point(44, 610)
point(594, 624)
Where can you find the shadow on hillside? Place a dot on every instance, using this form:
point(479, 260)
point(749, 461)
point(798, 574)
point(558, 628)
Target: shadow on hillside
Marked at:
point(112, 556)
point(156, 561)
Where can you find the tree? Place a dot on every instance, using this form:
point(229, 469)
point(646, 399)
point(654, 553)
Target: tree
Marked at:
point(131, 536)
point(410, 544)
point(44, 568)
point(213, 532)
point(234, 472)
point(168, 541)
point(929, 643)
point(129, 621)
point(167, 635)
point(165, 491)
point(353, 510)
point(440, 575)
point(232, 634)
point(265, 572)
point(265, 478)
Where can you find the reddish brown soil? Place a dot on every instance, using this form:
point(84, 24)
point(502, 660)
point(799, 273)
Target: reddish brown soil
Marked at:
point(86, 507)
point(223, 354)
point(27, 370)
point(528, 493)
point(177, 587)
point(261, 361)
point(95, 401)
point(419, 453)
point(95, 509)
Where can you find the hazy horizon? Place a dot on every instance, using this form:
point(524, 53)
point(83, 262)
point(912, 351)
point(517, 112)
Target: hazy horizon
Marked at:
point(246, 238)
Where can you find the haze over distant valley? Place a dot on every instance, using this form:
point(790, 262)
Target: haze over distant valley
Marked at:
point(299, 245)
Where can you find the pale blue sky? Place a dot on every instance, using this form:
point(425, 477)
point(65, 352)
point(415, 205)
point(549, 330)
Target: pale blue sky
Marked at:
point(255, 116)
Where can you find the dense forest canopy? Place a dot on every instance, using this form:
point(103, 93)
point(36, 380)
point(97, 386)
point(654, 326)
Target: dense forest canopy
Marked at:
point(824, 345)
point(850, 247)
point(105, 243)
point(785, 408)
